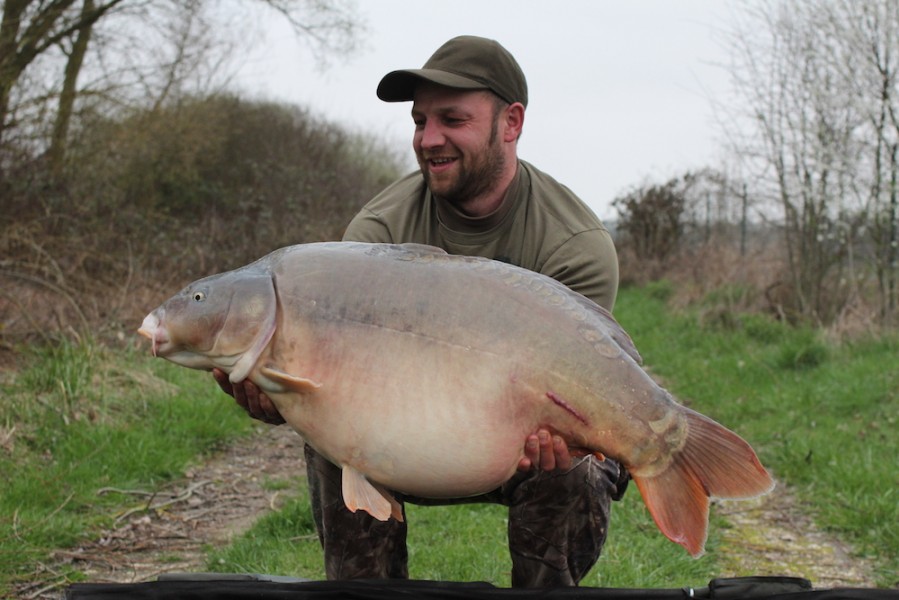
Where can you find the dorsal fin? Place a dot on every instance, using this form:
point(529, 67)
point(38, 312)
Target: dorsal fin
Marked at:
point(422, 248)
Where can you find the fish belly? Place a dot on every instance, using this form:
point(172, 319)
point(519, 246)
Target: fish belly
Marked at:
point(415, 415)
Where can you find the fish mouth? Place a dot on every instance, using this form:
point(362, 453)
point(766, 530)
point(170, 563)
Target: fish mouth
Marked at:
point(151, 330)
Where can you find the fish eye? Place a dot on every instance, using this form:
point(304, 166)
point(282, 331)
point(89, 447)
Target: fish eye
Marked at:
point(199, 296)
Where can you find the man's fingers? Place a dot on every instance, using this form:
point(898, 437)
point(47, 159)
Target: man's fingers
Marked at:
point(532, 449)
point(259, 405)
point(547, 457)
point(240, 395)
point(221, 378)
point(250, 398)
point(531, 453)
point(546, 452)
point(561, 453)
point(268, 408)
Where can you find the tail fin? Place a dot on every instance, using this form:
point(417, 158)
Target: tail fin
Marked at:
point(713, 462)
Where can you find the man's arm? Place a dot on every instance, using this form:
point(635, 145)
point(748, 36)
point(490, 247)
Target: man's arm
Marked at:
point(588, 264)
point(367, 227)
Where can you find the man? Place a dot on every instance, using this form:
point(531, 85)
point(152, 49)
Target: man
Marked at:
point(473, 196)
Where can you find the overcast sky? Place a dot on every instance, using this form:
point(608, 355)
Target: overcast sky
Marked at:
point(621, 92)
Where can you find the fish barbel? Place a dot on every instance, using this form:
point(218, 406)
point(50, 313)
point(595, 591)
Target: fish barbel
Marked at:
point(422, 372)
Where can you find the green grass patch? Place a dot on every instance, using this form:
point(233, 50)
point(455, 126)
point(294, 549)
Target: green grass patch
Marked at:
point(83, 418)
point(823, 417)
point(280, 543)
point(637, 555)
point(468, 542)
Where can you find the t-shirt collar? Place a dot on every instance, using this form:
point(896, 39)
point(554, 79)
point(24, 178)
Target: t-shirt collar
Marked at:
point(454, 219)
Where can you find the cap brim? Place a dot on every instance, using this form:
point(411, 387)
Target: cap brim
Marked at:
point(399, 86)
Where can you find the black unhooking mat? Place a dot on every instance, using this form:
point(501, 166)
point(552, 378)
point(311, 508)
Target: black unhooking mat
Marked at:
point(209, 586)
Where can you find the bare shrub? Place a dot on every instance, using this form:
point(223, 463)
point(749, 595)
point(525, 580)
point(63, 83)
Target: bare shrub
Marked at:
point(721, 282)
point(718, 277)
point(651, 220)
point(153, 200)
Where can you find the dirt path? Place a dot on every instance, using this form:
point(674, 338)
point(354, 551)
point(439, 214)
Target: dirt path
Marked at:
point(771, 535)
point(223, 497)
point(216, 501)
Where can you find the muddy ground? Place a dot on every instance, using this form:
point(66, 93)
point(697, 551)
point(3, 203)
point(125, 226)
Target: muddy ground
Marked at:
point(222, 498)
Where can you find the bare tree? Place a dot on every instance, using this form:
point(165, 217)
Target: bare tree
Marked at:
point(141, 52)
point(871, 33)
point(650, 218)
point(80, 41)
point(796, 67)
point(329, 27)
point(29, 28)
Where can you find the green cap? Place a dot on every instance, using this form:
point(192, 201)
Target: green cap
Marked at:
point(466, 62)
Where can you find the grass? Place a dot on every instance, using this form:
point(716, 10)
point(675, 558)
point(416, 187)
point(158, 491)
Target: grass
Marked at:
point(82, 418)
point(280, 543)
point(78, 418)
point(823, 417)
point(468, 543)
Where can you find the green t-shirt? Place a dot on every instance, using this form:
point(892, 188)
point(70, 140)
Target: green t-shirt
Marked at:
point(541, 225)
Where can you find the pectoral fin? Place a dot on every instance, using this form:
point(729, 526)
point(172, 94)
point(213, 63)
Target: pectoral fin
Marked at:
point(360, 493)
point(281, 381)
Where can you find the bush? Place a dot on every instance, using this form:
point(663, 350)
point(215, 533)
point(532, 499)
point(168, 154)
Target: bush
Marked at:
point(803, 351)
point(152, 200)
point(661, 290)
point(763, 328)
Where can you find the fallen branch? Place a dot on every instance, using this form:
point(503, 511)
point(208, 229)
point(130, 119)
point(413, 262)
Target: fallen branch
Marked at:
point(107, 490)
point(156, 506)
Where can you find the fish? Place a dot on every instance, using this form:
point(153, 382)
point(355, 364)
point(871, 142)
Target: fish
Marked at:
point(421, 372)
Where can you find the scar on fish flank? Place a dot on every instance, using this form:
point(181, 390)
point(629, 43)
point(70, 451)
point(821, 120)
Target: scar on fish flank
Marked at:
point(561, 402)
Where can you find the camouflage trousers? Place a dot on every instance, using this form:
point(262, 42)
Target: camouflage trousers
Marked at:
point(557, 523)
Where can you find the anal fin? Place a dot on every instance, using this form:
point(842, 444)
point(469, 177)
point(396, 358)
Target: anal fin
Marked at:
point(360, 494)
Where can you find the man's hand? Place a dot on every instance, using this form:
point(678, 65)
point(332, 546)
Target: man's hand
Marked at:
point(545, 451)
point(250, 398)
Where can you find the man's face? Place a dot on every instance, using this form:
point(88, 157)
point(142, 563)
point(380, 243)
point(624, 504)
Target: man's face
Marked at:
point(456, 141)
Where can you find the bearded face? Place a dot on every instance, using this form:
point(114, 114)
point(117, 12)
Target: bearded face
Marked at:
point(456, 142)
